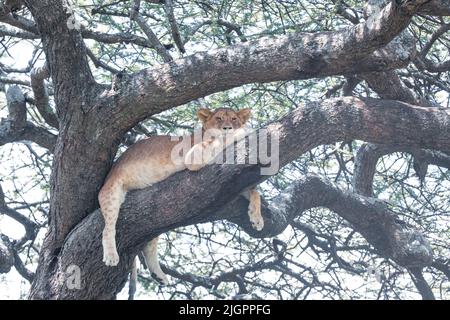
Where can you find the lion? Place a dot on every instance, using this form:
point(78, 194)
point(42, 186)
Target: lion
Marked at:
point(154, 159)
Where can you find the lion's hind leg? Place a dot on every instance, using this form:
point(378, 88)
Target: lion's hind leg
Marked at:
point(254, 208)
point(151, 260)
point(110, 198)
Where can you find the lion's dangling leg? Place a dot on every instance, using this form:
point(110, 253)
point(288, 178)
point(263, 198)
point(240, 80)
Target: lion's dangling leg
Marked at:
point(110, 198)
point(151, 260)
point(254, 208)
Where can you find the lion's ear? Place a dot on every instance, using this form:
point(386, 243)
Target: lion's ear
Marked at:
point(244, 114)
point(203, 114)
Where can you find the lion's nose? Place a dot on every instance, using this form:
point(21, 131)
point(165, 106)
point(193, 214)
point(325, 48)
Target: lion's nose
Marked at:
point(226, 128)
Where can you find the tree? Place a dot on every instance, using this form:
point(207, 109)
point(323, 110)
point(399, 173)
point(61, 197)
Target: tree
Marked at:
point(342, 88)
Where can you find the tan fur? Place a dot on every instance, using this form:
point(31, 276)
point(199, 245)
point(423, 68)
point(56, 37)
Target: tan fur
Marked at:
point(151, 160)
point(254, 210)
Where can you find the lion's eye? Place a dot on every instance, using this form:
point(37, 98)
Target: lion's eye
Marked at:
point(233, 119)
point(219, 119)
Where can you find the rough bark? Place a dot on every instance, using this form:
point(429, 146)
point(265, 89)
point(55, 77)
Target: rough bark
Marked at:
point(436, 8)
point(73, 188)
point(6, 257)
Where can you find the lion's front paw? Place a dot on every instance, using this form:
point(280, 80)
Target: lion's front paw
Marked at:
point(111, 258)
point(194, 166)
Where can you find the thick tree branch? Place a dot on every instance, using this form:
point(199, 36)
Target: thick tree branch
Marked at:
point(387, 84)
point(368, 216)
point(295, 56)
point(29, 132)
point(214, 188)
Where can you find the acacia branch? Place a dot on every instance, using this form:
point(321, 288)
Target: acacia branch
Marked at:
point(168, 7)
point(295, 56)
point(436, 8)
point(120, 37)
point(41, 99)
point(7, 32)
point(368, 216)
point(29, 226)
point(9, 257)
point(369, 154)
point(422, 62)
point(421, 284)
point(388, 85)
point(7, 80)
point(19, 22)
point(443, 266)
point(436, 35)
point(98, 63)
point(16, 128)
point(341, 8)
point(221, 22)
point(21, 269)
point(436, 67)
point(17, 107)
point(152, 38)
point(6, 256)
